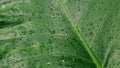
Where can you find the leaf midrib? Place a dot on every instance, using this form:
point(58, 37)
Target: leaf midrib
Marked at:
point(79, 34)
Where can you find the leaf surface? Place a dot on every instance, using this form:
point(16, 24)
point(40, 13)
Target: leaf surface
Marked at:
point(59, 34)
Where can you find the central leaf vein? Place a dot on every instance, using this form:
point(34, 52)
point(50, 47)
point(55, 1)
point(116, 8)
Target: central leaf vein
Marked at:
point(79, 34)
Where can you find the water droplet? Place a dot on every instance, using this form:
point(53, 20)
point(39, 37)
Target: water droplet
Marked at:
point(63, 61)
point(48, 63)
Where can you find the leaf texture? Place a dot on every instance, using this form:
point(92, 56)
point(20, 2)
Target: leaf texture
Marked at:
point(59, 34)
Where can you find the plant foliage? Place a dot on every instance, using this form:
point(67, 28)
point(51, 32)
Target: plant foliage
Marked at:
point(59, 33)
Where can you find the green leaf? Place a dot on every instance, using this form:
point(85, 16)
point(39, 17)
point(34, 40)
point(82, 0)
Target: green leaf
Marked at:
point(59, 34)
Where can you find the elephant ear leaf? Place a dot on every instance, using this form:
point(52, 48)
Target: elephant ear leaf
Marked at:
point(59, 34)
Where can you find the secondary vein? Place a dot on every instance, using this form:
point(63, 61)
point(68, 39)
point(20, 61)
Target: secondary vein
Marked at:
point(79, 34)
